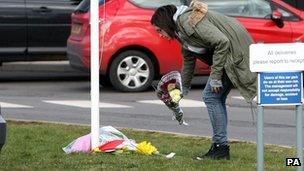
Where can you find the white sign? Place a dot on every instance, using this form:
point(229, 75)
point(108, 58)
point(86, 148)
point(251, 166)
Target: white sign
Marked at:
point(277, 57)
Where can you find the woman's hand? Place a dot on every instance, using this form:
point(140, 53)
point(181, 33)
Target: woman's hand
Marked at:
point(216, 85)
point(216, 89)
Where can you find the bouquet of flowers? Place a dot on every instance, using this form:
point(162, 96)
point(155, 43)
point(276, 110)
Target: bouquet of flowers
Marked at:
point(169, 91)
point(113, 141)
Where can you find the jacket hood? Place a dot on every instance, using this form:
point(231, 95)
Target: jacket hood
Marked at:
point(180, 10)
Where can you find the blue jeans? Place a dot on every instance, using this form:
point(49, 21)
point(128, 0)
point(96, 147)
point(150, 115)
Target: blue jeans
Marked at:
point(216, 106)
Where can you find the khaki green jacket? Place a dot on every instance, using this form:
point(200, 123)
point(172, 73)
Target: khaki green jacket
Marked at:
point(230, 42)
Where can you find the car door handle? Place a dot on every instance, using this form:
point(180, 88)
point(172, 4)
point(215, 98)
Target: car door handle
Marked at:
point(42, 9)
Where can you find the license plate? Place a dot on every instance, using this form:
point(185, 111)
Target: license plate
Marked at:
point(76, 28)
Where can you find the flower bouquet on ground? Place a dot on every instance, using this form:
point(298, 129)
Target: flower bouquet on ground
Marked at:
point(113, 141)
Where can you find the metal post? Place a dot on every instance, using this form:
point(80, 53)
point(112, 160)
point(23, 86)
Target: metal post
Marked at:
point(299, 136)
point(260, 139)
point(94, 38)
point(2, 130)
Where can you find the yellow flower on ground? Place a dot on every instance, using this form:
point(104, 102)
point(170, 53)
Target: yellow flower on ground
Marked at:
point(96, 150)
point(146, 148)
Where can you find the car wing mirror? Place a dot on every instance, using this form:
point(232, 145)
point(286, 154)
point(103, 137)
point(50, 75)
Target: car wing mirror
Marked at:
point(277, 17)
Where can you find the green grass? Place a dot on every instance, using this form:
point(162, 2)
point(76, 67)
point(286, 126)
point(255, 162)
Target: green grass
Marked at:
point(37, 146)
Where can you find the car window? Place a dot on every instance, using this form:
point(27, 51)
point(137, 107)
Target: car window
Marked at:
point(260, 9)
point(236, 8)
point(241, 8)
point(84, 6)
point(152, 4)
point(230, 7)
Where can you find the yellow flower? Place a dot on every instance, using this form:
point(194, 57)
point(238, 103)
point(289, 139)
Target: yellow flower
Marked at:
point(146, 148)
point(96, 150)
point(175, 95)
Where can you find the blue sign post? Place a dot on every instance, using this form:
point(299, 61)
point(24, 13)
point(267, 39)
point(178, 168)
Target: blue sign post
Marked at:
point(279, 88)
point(278, 84)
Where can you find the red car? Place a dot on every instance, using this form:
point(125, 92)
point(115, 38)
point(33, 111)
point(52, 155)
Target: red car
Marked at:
point(134, 54)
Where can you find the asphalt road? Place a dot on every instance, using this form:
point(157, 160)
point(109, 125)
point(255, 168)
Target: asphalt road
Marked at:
point(63, 96)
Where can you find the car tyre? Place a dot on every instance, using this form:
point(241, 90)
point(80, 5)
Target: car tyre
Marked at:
point(132, 71)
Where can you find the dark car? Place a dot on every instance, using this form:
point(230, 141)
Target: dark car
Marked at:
point(34, 29)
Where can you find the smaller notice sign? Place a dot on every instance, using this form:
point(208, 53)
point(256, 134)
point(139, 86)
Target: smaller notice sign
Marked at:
point(280, 88)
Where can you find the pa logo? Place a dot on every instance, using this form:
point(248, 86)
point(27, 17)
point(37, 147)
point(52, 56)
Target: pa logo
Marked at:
point(293, 162)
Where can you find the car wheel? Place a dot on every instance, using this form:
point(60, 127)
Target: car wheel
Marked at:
point(131, 71)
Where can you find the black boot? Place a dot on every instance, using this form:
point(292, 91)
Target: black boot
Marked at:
point(221, 152)
point(216, 151)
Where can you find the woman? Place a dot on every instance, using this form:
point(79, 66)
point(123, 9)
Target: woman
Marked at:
point(219, 41)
